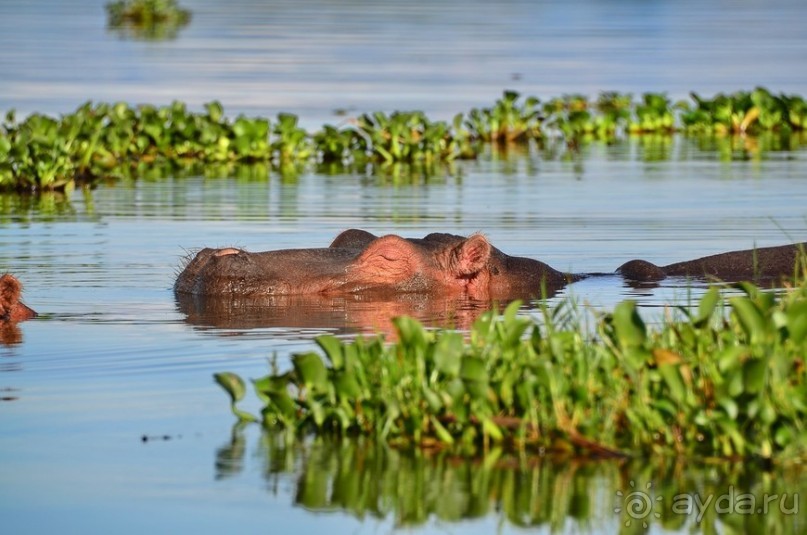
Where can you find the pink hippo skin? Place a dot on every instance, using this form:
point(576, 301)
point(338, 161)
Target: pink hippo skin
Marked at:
point(441, 264)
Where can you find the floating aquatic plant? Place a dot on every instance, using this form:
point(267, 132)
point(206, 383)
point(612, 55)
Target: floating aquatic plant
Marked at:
point(726, 380)
point(115, 140)
point(147, 19)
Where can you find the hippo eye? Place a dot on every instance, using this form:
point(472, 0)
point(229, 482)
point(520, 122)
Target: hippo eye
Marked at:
point(494, 270)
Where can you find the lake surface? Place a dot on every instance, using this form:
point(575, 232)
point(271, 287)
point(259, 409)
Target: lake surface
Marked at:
point(112, 357)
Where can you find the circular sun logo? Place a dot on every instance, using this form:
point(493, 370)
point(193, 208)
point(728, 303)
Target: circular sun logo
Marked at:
point(637, 504)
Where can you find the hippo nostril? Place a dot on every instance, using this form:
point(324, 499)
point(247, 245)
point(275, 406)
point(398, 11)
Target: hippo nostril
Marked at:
point(225, 252)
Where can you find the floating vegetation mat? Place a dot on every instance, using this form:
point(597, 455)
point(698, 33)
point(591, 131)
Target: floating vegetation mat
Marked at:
point(724, 378)
point(100, 141)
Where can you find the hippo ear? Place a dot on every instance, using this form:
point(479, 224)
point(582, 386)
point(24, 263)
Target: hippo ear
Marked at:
point(387, 260)
point(470, 256)
point(10, 289)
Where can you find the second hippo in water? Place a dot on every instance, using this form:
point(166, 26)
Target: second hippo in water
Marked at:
point(12, 310)
point(761, 264)
point(360, 262)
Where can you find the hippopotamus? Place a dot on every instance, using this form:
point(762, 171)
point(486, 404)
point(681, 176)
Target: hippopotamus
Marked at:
point(12, 310)
point(764, 264)
point(358, 262)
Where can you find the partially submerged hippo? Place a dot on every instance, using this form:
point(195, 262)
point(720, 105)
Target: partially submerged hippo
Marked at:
point(360, 262)
point(761, 264)
point(12, 310)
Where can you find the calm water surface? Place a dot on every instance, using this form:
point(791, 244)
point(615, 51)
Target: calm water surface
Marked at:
point(112, 358)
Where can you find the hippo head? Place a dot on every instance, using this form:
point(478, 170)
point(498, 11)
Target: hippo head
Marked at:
point(12, 310)
point(358, 261)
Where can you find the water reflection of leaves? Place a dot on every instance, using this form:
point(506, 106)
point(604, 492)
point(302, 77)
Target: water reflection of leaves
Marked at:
point(367, 479)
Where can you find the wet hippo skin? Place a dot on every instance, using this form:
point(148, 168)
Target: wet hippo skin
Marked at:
point(761, 264)
point(445, 264)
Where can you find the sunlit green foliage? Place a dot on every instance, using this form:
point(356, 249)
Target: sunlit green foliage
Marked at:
point(115, 140)
point(744, 112)
point(507, 120)
point(719, 380)
point(654, 114)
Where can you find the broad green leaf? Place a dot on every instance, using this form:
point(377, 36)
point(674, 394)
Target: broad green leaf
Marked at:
point(675, 383)
point(311, 371)
point(474, 376)
point(630, 329)
point(730, 406)
point(750, 318)
point(754, 375)
point(333, 350)
point(346, 386)
point(707, 306)
point(448, 353)
point(410, 332)
point(797, 321)
point(232, 384)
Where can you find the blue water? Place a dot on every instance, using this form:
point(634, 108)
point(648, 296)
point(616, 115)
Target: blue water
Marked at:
point(112, 359)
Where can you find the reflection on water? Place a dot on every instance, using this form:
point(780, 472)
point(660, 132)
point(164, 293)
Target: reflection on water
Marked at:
point(367, 479)
point(345, 314)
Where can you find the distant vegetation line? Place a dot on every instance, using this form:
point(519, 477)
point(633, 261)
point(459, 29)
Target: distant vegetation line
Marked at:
point(110, 141)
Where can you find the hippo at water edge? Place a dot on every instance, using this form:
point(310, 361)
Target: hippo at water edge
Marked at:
point(445, 264)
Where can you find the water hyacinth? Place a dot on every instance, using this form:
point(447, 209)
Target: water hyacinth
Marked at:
point(101, 141)
point(724, 379)
point(147, 19)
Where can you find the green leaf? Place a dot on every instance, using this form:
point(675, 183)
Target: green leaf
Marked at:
point(232, 384)
point(797, 322)
point(751, 319)
point(448, 353)
point(474, 376)
point(442, 433)
point(630, 329)
point(492, 430)
point(346, 385)
point(311, 371)
point(410, 332)
point(754, 375)
point(332, 347)
point(707, 306)
point(671, 374)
